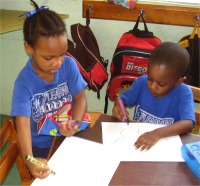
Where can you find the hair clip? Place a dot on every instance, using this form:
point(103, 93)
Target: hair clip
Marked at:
point(29, 14)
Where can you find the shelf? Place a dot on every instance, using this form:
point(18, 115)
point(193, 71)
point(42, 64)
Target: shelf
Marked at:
point(11, 22)
point(161, 14)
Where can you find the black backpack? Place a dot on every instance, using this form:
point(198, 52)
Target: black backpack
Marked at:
point(130, 60)
point(192, 45)
point(85, 51)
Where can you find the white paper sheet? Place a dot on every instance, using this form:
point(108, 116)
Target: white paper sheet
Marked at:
point(120, 138)
point(80, 162)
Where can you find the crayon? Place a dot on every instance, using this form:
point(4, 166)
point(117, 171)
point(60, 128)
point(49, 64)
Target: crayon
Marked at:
point(73, 124)
point(61, 116)
point(36, 162)
point(121, 103)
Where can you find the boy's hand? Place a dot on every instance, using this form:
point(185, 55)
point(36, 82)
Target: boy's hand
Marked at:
point(39, 172)
point(147, 140)
point(117, 112)
point(67, 129)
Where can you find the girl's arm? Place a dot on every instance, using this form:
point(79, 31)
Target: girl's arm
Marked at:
point(25, 143)
point(79, 110)
point(80, 106)
point(24, 135)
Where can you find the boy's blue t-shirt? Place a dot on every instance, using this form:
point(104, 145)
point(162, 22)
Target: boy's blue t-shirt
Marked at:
point(177, 105)
point(34, 97)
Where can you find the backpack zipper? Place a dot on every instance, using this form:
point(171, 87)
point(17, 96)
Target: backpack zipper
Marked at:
point(89, 50)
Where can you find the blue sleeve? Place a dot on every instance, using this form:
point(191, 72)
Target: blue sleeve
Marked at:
point(76, 82)
point(186, 106)
point(130, 97)
point(20, 101)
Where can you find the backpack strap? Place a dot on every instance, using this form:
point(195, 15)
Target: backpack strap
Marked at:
point(88, 15)
point(137, 23)
point(104, 62)
point(106, 103)
point(141, 33)
point(98, 93)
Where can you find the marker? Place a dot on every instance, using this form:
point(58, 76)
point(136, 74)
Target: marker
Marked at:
point(36, 162)
point(73, 124)
point(121, 104)
point(61, 116)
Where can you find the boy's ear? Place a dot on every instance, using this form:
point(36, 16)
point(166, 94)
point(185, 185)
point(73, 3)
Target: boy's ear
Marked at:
point(181, 80)
point(28, 48)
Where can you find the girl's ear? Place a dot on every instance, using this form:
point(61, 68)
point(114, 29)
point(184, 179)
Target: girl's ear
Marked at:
point(180, 80)
point(28, 48)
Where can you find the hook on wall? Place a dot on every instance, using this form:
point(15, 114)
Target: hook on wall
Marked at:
point(90, 7)
point(141, 13)
point(197, 19)
point(88, 11)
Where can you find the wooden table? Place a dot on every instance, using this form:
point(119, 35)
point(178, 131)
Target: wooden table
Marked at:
point(141, 173)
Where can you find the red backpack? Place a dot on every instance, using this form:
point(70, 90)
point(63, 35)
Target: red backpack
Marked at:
point(85, 51)
point(130, 60)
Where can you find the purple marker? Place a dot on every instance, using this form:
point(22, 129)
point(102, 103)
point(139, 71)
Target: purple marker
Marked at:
point(73, 124)
point(121, 104)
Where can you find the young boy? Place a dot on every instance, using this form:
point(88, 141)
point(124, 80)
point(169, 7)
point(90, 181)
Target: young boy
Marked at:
point(161, 97)
point(45, 84)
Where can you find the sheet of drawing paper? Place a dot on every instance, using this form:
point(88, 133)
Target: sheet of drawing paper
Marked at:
point(119, 138)
point(80, 162)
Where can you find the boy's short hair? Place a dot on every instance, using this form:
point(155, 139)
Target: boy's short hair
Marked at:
point(171, 55)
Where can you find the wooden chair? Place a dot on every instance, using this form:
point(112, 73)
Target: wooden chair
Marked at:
point(94, 116)
point(11, 154)
point(196, 94)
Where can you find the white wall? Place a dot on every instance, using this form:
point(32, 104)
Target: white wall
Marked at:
point(13, 56)
point(186, 3)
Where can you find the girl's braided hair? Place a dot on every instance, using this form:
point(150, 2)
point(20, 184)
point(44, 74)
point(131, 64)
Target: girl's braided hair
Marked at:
point(43, 23)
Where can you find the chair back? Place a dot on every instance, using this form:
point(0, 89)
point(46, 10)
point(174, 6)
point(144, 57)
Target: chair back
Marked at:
point(10, 152)
point(196, 95)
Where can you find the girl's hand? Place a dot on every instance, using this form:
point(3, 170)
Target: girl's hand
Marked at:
point(39, 172)
point(147, 140)
point(68, 129)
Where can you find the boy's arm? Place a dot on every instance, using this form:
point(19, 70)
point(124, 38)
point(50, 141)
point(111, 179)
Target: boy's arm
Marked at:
point(148, 139)
point(117, 111)
point(177, 128)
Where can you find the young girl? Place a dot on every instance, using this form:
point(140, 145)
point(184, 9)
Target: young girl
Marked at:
point(161, 96)
point(48, 80)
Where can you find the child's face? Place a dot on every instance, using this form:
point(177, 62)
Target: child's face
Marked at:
point(48, 54)
point(161, 79)
point(125, 87)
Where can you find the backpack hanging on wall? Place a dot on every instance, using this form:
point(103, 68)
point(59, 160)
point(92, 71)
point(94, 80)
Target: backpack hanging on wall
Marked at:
point(85, 51)
point(130, 60)
point(192, 44)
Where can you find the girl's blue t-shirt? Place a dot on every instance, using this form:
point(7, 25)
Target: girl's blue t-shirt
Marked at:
point(34, 97)
point(177, 105)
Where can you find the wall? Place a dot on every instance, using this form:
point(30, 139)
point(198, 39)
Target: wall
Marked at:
point(13, 56)
point(191, 3)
